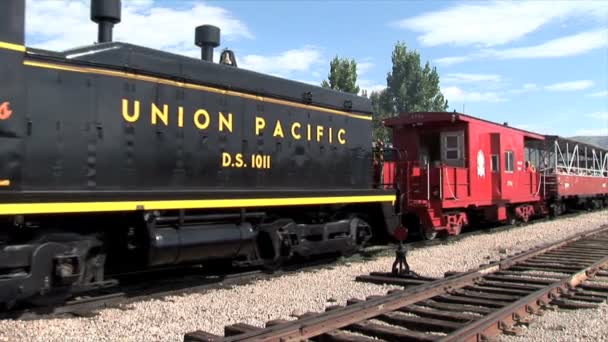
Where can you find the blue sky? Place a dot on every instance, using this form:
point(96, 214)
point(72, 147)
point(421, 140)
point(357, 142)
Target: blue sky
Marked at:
point(539, 65)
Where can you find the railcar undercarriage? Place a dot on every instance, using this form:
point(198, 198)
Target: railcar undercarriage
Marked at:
point(45, 257)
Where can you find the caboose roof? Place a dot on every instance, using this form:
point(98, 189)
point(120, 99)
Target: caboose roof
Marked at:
point(417, 118)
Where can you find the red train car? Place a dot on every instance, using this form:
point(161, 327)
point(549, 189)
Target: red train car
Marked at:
point(576, 174)
point(453, 170)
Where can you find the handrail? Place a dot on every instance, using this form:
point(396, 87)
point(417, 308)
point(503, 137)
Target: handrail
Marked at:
point(539, 183)
point(579, 171)
point(441, 182)
point(428, 181)
point(449, 187)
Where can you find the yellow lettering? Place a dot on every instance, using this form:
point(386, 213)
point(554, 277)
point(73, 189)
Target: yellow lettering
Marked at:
point(295, 125)
point(278, 130)
point(197, 121)
point(227, 123)
point(319, 133)
point(180, 116)
point(260, 123)
point(163, 115)
point(308, 132)
point(125, 111)
point(341, 139)
point(226, 159)
point(239, 160)
point(330, 133)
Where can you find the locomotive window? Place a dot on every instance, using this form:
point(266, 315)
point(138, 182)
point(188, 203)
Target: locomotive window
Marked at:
point(509, 161)
point(495, 163)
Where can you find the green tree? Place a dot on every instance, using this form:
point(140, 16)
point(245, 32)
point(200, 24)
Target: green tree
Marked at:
point(410, 88)
point(342, 75)
point(381, 111)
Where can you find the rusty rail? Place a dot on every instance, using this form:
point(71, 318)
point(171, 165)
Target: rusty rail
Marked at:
point(499, 295)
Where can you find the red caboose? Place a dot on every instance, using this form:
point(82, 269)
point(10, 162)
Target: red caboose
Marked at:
point(453, 169)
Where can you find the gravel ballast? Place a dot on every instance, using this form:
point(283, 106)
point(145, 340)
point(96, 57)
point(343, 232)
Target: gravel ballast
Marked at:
point(578, 325)
point(281, 297)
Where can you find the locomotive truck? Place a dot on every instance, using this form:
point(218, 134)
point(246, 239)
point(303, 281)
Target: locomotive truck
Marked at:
point(116, 157)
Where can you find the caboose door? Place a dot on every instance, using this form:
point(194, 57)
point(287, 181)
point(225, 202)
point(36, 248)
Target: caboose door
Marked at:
point(495, 166)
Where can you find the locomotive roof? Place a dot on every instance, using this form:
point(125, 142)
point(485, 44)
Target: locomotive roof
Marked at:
point(420, 117)
point(137, 59)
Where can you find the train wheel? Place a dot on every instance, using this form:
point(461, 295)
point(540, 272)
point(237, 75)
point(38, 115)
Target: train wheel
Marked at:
point(597, 203)
point(456, 229)
point(360, 230)
point(555, 210)
point(512, 219)
point(94, 268)
point(428, 233)
point(274, 249)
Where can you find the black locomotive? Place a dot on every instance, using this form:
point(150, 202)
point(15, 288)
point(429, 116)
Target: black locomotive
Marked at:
point(116, 157)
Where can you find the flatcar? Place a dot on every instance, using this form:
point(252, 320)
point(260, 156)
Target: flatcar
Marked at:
point(456, 170)
point(117, 158)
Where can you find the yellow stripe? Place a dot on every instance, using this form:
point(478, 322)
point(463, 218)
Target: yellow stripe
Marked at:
point(193, 86)
point(11, 46)
point(81, 207)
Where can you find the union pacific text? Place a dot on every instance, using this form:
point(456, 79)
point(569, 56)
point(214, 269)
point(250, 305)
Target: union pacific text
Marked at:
point(163, 114)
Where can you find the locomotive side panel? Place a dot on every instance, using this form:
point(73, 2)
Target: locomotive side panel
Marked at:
point(12, 121)
point(92, 132)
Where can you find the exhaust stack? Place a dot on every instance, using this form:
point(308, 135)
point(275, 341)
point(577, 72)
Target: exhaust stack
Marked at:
point(207, 37)
point(106, 13)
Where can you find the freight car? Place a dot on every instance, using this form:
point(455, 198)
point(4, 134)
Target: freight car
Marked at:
point(116, 157)
point(457, 170)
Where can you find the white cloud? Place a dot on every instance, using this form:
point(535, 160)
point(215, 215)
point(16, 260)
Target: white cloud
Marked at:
point(496, 23)
point(63, 24)
point(603, 93)
point(468, 78)
point(446, 61)
point(370, 85)
point(593, 131)
point(527, 87)
point(364, 67)
point(295, 60)
point(458, 95)
point(599, 115)
point(570, 86)
point(572, 45)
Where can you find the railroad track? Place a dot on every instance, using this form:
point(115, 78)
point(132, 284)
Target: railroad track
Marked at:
point(197, 280)
point(160, 284)
point(469, 306)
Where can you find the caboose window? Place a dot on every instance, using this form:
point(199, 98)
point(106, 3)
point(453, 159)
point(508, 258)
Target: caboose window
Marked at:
point(495, 163)
point(452, 146)
point(451, 141)
point(451, 154)
point(509, 161)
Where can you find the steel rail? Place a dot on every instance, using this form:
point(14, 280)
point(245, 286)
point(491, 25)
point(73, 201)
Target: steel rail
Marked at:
point(308, 327)
point(503, 319)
